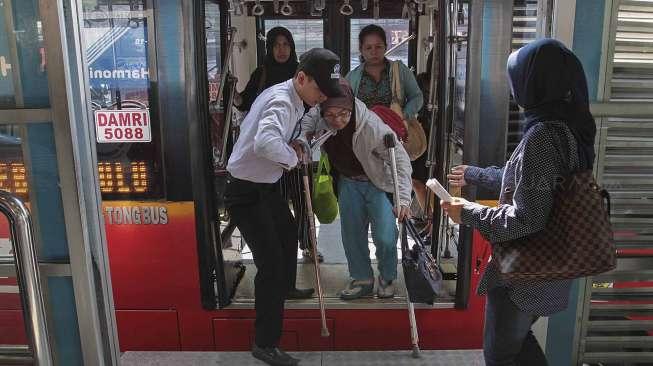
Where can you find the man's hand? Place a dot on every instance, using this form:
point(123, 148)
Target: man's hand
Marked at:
point(298, 146)
point(454, 208)
point(404, 213)
point(457, 176)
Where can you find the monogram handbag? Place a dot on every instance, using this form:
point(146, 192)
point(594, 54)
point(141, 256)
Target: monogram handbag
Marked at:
point(577, 240)
point(421, 272)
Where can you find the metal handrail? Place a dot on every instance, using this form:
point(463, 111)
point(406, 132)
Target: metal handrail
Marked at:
point(27, 273)
point(227, 60)
point(227, 75)
point(227, 122)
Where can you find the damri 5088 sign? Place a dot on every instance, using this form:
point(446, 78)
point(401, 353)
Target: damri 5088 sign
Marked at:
point(124, 125)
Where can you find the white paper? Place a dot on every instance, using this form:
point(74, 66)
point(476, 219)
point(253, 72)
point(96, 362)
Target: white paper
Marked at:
point(439, 190)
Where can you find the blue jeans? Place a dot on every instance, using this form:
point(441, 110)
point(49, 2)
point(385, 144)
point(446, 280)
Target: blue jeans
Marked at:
point(508, 339)
point(362, 204)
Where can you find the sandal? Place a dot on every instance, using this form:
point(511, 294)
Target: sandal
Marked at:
point(356, 289)
point(386, 289)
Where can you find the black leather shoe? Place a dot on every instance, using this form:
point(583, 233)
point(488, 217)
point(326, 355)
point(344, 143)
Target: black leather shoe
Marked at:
point(273, 356)
point(297, 294)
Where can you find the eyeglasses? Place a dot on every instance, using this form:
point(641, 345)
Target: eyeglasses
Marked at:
point(342, 115)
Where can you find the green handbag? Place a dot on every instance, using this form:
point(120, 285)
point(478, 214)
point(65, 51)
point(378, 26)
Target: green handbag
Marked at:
point(325, 203)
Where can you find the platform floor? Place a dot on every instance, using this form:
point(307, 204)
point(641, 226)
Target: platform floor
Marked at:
point(380, 358)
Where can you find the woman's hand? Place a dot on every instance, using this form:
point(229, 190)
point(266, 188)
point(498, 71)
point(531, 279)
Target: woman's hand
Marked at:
point(404, 213)
point(454, 208)
point(457, 176)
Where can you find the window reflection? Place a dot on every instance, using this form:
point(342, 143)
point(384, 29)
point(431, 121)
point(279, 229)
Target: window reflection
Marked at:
point(119, 52)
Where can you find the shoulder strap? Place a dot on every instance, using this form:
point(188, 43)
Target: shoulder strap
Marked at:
point(327, 164)
point(261, 81)
point(396, 82)
point(404, 241)
point(323, 165)
point(408, 229)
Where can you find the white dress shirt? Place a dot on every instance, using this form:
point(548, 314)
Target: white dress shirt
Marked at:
point(262, 152)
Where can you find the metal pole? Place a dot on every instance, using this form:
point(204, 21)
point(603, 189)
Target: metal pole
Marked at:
point(227, 60)
point(27, 273)
point(432, 107)
point(227, 122)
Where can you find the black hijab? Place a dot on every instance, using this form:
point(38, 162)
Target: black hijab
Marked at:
point(548, 82)
point(277, 72)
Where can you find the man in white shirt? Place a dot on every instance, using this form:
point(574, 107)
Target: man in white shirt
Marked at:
point(266, 146)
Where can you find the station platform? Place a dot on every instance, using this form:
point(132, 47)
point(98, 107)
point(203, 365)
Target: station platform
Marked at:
point(348, 358)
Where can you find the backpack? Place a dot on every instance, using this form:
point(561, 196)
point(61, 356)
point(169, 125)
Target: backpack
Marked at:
point(392, 119)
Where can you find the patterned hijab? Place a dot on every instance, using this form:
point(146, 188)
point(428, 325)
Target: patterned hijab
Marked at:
point(548, 82)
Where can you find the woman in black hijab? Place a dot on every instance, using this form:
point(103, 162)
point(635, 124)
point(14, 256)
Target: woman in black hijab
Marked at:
point(279, 65)
point(548, 82)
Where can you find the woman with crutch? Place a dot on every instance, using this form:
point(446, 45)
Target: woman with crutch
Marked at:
point(357, 152)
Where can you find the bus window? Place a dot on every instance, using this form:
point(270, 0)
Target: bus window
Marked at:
point(118, 46)
point(307, 33)
point(396, 30)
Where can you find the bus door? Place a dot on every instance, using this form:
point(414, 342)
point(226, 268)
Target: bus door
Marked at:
point(231, 56)
point(312, 27)
point(136, 55)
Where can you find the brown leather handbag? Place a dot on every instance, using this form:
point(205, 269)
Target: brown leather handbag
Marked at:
point(415, 143)
point(576, 242)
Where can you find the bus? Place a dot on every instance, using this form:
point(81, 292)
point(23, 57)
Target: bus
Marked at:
point(161, 77)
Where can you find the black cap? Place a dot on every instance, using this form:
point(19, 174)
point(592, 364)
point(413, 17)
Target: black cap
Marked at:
point(323, 66)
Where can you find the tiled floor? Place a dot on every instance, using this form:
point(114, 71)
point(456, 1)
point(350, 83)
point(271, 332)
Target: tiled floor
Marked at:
point(394, 358)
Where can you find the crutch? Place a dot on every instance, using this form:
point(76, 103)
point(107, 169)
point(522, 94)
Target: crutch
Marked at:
point(313, 236)
point(390, 143)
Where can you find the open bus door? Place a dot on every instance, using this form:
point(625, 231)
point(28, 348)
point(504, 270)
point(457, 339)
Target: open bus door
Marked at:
point(212, 40)
point(309, 28)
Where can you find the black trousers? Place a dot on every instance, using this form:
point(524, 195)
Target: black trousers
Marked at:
point(268, 227)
